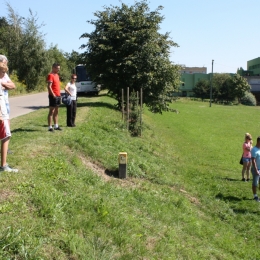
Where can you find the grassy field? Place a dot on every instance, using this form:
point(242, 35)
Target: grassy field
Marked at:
point(183, 197)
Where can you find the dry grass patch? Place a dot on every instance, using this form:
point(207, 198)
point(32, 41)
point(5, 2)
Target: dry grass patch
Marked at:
point(6, 195)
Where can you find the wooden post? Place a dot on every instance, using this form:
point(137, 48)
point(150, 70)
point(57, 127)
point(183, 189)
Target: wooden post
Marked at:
point(141, 110)
point(127, 101)
point(123, 110)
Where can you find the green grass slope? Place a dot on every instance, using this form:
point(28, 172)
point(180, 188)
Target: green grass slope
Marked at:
point(183, 198)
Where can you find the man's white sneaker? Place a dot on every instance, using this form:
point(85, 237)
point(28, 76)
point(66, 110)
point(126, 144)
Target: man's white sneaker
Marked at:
point(7, 168)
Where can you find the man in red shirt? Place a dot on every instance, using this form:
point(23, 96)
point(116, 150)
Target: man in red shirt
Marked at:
point(53, 81)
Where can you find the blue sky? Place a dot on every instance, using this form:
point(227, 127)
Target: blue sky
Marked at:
point(225, 31)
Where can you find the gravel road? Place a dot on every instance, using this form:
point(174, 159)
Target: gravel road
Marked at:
point(28, 103)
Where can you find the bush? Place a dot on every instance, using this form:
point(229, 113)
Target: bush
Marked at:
point(134, 115)
point(249, 99)
point(20, 87)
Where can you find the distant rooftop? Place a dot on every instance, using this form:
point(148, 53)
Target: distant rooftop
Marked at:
point(192, 70)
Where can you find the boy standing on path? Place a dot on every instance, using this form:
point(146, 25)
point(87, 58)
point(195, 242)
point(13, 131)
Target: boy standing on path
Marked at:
point(53, 81)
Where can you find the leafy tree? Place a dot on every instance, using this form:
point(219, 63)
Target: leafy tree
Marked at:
point(73, 59)
point(202, 89)
point(3, 23)
point(25, 48)
point(229, 87)
point(11, 37)
point(56, 55)
point(24, 45)
point(219, 84)
point(4, 31)
point(225, 87)
point(227, 90)
point(248, 99)
point(126, 50)
point(32, 58)
point(240, 86)
point(134, 115)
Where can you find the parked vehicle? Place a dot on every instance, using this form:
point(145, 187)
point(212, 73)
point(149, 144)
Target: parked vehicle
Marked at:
point(84, 83)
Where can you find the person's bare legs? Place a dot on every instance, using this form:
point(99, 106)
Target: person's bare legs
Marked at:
point(4, 149)
point(50, 115)
point(244, 170)
point(248, 170)
point(55, 115)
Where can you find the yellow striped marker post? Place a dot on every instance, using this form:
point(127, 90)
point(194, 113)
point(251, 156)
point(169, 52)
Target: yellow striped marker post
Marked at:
point(122, 160)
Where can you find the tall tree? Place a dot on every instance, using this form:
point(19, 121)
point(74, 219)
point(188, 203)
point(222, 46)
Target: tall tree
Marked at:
point(12, 37)
point(74, 58)
point(225, 87)
point(240, 86)
point(218, 85)
point(56, 55)
point(202, 89)
point(25, 48)
point(126, 50)
point(4, 32)
point(32, 54)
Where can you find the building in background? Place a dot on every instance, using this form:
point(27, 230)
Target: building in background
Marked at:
point(253, 68)
point(189, 78)
point(193, 70)
point(191, 75)
point(252, 75)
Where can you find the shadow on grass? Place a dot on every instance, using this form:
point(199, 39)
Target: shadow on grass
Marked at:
point(112, 173)
point(245, 211)
point(97, 104)
point(220, 196)
point(92, 104)
point(24, 130)
point(91, 95)
point(229, 179)
point(236, 199)
point(35, 107)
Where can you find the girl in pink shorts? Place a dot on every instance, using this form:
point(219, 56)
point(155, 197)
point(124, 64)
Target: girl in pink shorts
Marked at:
point(247, 146)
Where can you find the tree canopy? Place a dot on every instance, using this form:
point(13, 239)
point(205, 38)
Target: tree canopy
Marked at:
point(126, 50)
point(202, 89)
point(225, 87)
point(23, 43)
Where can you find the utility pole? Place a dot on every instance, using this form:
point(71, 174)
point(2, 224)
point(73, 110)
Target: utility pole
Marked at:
point(211, 84)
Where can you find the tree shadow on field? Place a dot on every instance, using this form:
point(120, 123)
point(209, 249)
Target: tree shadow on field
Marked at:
point(89, 95)
point(220, 196)
point(97, 104)
point(245, 211)
point(236, 199)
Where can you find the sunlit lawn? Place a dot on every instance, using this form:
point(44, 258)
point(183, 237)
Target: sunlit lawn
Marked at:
point(183, 198)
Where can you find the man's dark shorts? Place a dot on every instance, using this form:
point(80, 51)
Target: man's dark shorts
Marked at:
point(54, 101)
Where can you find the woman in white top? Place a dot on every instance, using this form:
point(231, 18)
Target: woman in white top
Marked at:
point(71, 90)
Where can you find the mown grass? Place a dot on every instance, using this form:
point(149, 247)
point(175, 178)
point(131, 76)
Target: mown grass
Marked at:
point(183, 198)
